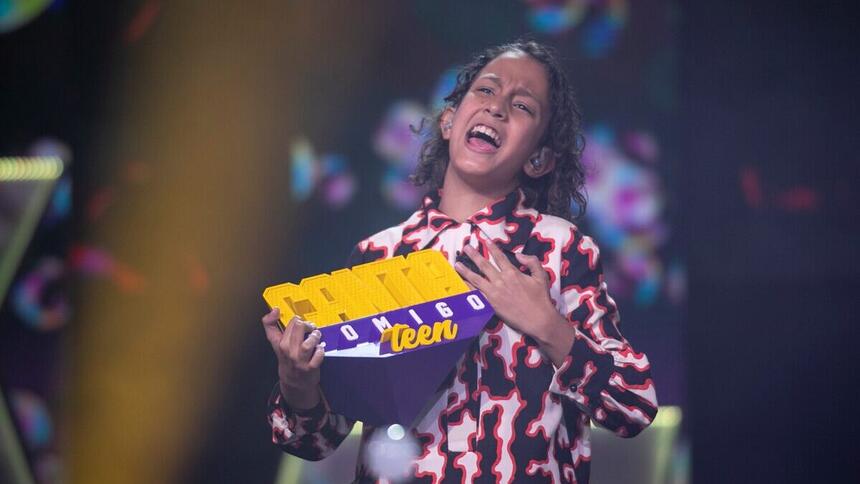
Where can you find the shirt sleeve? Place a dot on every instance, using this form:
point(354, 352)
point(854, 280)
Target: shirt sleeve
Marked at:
point(311, 434)
point(314, 433)
point(602, 374)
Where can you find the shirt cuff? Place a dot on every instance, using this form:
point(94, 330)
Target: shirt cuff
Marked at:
point(289, 424)
point(580, 367)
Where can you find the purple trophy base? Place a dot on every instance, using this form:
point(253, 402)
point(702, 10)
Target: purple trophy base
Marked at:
point(381, 389)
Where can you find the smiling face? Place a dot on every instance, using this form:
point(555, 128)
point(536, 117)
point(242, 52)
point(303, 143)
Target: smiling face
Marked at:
point(497, 126)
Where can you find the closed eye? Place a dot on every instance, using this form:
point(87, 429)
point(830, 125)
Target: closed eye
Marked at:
point(485, 90)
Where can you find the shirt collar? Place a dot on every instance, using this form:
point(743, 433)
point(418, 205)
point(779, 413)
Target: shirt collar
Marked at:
point(507, 221)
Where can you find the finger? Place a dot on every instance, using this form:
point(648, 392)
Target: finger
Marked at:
point(499, 258)
point(272, 316)
point(293, 336)
point(483, 264)
point(272, 326)
point(534, 266)
point(473, 279)
point(301, 328)
point(317, 358)
point(308, 345)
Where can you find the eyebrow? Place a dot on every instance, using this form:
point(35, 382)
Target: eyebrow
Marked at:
point(523, 91)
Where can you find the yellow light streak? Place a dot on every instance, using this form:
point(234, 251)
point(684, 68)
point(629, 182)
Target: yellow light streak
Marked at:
point(26, 168)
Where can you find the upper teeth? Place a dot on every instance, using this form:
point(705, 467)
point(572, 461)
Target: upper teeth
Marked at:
point(489, 132)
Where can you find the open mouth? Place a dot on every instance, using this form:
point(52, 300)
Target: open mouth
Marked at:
point(484, 138)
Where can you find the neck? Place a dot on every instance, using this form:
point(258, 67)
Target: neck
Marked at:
point(461, 200)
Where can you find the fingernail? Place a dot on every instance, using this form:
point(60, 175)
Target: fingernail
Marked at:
point(316, 333)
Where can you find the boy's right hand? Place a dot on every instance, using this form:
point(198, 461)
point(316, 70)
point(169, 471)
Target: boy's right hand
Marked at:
point(299, 359)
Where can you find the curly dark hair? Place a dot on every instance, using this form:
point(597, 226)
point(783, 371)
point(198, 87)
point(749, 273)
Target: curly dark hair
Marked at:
point(553, 193)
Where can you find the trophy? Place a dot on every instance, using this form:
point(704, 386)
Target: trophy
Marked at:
point(392, 331)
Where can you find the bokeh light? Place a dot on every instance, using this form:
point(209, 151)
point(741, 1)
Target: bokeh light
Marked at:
point(398, 142)
point(32, 417)
point(328, 175)
point(398, 191)
point(391, 452)
point(16, 13)
point(303, 171)
point(60, 205)
point(99, 263)
point(36, 298)
point(601, 21)
point(626, 210)
point(339, 189)
point(446, 83)
point(641, 145)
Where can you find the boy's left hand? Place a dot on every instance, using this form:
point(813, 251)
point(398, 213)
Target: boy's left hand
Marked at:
point(522, 301)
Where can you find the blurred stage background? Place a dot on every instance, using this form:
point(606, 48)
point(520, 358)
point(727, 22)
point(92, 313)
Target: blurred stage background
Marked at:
point(209, 151)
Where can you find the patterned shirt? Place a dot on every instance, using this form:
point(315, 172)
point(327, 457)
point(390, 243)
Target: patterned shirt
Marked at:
point(506, 413)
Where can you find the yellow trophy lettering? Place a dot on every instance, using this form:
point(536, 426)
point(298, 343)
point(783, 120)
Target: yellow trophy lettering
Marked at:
point(438, 328)
point(390, 273)
point(369, 290)
point(327, 309)
point(449, 329)
point(425, 333)
point(353, 293)
point(290, 299)
point(393, 334)
point(404, 337)
point(409, 338)
point(433, 276)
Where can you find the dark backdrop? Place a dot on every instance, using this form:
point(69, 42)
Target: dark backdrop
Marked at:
point(771, 135)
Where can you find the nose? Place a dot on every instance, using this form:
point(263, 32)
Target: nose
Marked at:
point(496, 110)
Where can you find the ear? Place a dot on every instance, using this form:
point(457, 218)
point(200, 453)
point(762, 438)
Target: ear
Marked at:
point(540, 163)
point(445, 122)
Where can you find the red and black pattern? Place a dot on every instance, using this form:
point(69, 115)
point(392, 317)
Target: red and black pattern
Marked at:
point(507, 414)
